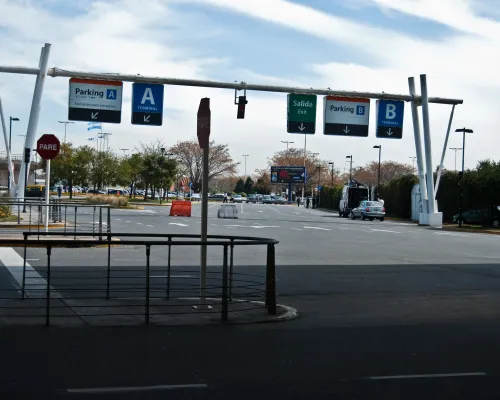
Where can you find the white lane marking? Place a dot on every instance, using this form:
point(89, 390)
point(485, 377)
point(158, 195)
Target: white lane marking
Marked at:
point(236, 225)
point(261, 211)
point(451, 234)
point(242, 208)
point(263, 226)
point(32, 259)
point(295, 212)
point(214, 224)
point(383, 230)
point(118, 219)
point(341, 227)
point(427, 376)
point(150, 226)
point(136, 388)
point(178, 224)
point(296, 229)
point(34, 281)
point(140, 223)
point(318, 228)
point(139, 211)
point(185, 220)
point(127, 221)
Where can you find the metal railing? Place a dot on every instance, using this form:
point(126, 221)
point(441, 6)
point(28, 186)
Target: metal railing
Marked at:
point(117, 291)
point(65, 217)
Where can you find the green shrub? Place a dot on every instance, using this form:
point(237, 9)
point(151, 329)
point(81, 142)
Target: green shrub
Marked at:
point(5, 211)
point(243, 194)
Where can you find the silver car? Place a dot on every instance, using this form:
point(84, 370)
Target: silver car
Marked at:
point(368, 210)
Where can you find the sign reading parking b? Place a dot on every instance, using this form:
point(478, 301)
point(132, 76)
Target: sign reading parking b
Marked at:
point(147, 104)
point(390, 115)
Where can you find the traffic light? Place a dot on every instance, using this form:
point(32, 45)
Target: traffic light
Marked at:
point(27, 153)
point(242, 102)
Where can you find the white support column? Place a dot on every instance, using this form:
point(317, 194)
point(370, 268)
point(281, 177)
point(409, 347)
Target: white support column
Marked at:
point(5, 136)
point(34, 114)
point(418, 149)
point(435, 218)
point(444, 151)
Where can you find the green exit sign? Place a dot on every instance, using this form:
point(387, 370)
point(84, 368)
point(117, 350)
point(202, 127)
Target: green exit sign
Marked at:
point(301, 113)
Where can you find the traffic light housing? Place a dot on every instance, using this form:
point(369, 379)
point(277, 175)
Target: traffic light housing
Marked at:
point(27, 153)
point(242, 102)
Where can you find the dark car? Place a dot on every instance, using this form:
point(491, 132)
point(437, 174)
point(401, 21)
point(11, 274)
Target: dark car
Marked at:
point(480, 217)
point(252, 198)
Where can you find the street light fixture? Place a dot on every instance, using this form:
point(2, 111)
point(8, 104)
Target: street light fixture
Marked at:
point(287, 143)
point(464, 131)
point(379, 147)
point(65, 126)
point(124, 152)
point(11, 119)
point(413, 159)
point(350, 168)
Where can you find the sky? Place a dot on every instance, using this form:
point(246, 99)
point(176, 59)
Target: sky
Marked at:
point(355, 45)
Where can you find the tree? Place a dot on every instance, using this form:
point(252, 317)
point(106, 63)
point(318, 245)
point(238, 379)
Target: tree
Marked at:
point(248, 188)
point(61, 166)
point(190, 159)
point(389, 170)
point(104, 168)
point(240, 186)
point(263, 182)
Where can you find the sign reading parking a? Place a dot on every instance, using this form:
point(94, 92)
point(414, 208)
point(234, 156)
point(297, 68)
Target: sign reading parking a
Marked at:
point(301, 113)
point(95, 100)
point(346, 116)
point(390, 115)
point(147, 104)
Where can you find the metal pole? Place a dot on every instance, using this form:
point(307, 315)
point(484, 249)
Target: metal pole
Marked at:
point(35, 112)
point(204, 227)
point(444, 150)
point(427, 144)
point(8, 145)
point(47, 190)
point(271, 280)
point(305, 178)
point(225, 305)
point(379, 157)
point(26, 169)
point(350, 168)
point(418, 145)
point(47, 304)
point(9, 152)
point(460, 206)
point(148, 272)
point(57, 72)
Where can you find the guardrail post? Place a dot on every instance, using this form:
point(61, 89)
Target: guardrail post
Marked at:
point(59, 211)
point(18, 214)
point(108, 222)
point(29, 225)
point(108, 277)
point(271, 280)
point(231, 263)
point(168, 265)
point(74, 230)
point(65, 217)
point(100, 223)
point(47, 305)
point(93, 223)
point(225, 305)
point(24, 265)
point(148, 254)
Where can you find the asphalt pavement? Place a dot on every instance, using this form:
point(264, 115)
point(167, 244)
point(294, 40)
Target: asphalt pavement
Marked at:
point(388, 310)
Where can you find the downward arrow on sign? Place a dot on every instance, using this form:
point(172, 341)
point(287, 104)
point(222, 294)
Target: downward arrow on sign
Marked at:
point(389, 132)
point(146, 118)
point(302, 127)
point(346, 130)
point(94, 115)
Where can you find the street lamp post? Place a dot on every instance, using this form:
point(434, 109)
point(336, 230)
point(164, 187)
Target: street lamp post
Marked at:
point(65, 126)
point(350, 167)
point(319, 182)
point(379, 147)
point(332, 164)
point(245, 155)
point(464, 131)
point(10, 145)
point(162, 160)
point(456, 149)
point(124, 152)
point(413, 159)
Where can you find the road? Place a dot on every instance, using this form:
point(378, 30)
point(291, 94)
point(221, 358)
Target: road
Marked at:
point(388, 310)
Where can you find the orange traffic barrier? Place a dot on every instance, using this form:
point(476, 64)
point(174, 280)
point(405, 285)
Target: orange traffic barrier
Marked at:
point(180, 208)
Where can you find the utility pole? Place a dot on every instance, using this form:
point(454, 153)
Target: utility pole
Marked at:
point(456, 149)
point(379, 147)
point(350, 168)
point(332, 164)
point(460, 204)
point(65, 126)
point(245, 155)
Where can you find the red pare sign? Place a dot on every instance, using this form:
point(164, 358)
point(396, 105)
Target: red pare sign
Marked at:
point(48, 146)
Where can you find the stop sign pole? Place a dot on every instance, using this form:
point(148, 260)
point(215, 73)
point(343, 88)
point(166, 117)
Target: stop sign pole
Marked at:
point(47, 147)
point(203, 133)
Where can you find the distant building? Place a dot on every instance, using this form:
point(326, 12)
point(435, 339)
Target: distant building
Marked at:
point(17, 161)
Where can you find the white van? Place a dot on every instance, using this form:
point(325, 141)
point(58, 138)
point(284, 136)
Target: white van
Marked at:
point(353, 193)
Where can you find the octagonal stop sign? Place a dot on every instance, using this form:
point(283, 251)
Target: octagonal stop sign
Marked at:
point(48, 146)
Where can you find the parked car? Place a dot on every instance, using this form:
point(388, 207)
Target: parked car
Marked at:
point(368, 209)
point(480, 217)
point(252, 198)
point(266, 199)
point(237, 198)
point(279, 200)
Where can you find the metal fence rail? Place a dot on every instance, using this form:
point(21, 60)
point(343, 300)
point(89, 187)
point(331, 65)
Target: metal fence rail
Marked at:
point(144, 293)
point(65, 217)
